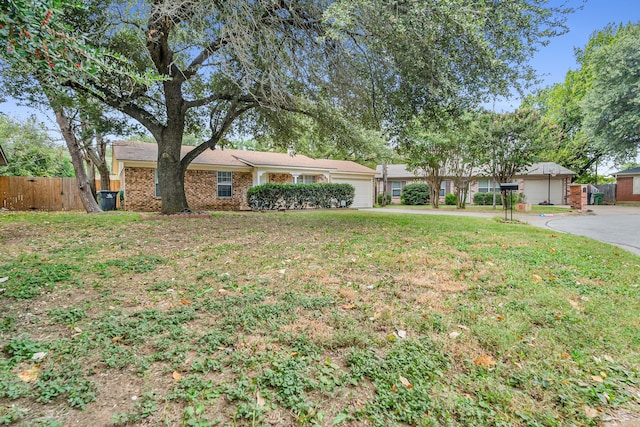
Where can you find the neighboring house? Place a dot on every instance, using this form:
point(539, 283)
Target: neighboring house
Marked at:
point(3, 158)
point(398, 176)
point(218, 179)
point(628, 185)
point(541, 182)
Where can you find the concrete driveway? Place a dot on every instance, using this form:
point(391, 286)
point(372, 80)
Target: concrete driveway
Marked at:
point(618, 225)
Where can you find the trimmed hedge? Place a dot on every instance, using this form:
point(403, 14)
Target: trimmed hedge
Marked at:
point(487, 198)
point(450, 199)
point(415, 194)
point(299, 196)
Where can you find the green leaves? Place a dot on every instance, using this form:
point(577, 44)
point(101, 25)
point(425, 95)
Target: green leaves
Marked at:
point(295, 196)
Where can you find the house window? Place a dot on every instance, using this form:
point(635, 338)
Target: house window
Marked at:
point(224, 184)
point(157, 184)
point(487, 186)
point(305, 179)
point(396, 188)
point(443, 188)
point(636, 185)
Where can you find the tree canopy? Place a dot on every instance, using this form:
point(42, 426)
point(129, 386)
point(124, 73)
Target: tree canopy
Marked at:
point(31, 151)
point(212, 68)
point(612, 105)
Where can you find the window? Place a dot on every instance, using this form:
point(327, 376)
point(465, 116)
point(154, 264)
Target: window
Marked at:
point(305, 179)
point(155, 178)
point(224, 184)
point(443, 188)
point(487, 186)
point(636, 185)
point(396, 188)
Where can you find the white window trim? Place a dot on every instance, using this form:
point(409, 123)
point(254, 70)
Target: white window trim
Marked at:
point(488, 189)
point(305, 179)
point(636, 185)
point(399, 188)
point(224, 184)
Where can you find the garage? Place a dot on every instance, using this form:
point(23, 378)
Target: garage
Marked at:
point(541, 190)
point(364, 190)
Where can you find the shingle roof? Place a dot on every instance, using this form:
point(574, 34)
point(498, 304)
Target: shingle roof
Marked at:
point(632, 171)
point(148, 152)
point(542, 168)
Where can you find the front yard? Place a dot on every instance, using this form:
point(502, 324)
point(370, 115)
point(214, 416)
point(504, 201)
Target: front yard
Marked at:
point(312, 318)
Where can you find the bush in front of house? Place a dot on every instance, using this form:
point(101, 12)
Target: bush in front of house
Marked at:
point(450, 199)
point(415, 194)
point(486, 199)
point(300, 196)
point(388, 199)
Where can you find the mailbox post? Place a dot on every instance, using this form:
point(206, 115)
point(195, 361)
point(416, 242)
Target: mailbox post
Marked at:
point(510, 187)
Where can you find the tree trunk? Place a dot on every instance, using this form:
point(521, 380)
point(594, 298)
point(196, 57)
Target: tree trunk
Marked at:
point(98, 157)
point(434, 190)
point(384, 184)
point(171, 175)
point(86, 196)
point(91, 176)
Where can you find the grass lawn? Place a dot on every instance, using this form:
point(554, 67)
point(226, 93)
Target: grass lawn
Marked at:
point(312, 318)
point(535, 209)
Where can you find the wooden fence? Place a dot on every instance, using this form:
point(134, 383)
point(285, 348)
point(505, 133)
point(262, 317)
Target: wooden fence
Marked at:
point(609, 196)
point(18, 193)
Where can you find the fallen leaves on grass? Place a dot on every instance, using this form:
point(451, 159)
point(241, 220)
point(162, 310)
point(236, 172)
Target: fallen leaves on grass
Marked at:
point(30, 375)
point(485, 361)
point(405, 382)
point(260, 401)
point(537, 278)
point(590, 412)
point(176, 376)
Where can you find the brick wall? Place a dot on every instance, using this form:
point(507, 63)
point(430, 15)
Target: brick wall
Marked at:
point(139, 190)
point(280, 178)
point(200, 188)
point(624, 190)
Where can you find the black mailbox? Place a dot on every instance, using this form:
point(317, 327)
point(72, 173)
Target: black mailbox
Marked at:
point(509, 186)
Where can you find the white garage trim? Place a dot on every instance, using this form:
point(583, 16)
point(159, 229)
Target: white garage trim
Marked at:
point(364, 191)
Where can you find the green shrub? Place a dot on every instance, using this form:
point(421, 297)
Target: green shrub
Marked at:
point(451, 199)
point(388, 199)
point(415, 194)
point(486, 199)
point(298, 196)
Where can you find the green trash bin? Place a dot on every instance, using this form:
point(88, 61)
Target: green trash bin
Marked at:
point(597, 198)
point(107, 200)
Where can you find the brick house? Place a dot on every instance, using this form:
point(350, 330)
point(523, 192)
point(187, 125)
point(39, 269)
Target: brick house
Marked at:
point(541, 182)
point(219, 179)
point(628, 185)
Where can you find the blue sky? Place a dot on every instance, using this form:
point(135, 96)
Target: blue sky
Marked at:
point(558, 57)
point(554, 60)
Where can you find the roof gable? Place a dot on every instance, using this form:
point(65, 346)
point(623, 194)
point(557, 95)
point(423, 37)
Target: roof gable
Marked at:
point(632, 171)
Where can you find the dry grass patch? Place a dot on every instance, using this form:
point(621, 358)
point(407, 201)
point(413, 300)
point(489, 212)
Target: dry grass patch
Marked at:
point(312, 318)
